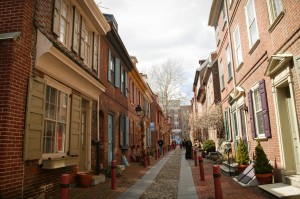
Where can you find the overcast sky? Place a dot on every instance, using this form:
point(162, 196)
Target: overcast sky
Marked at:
point(157, 30)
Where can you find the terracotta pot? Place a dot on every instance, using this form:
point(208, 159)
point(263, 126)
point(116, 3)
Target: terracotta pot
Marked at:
point(264, 178)
point(85, 179)
point(242, 167)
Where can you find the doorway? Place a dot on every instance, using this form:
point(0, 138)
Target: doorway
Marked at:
point(110, 138)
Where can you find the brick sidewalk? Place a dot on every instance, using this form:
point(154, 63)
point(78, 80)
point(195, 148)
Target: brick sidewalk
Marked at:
point(230, 189)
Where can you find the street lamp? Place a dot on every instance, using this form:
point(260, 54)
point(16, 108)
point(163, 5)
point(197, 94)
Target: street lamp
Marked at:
point(139, 111)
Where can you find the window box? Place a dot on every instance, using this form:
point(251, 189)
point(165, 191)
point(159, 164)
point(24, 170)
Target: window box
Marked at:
point(60, 162)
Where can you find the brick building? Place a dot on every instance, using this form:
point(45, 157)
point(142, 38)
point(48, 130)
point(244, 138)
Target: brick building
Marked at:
point(258, 53)
point(69, 91)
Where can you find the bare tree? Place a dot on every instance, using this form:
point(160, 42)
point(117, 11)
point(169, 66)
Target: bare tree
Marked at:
point(166, 79)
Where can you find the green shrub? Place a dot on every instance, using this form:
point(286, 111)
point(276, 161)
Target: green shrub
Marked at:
point(209, 146)
point(262, 164)
point(242, 155)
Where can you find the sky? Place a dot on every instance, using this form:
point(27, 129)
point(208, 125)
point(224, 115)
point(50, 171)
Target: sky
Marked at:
point(157, 30)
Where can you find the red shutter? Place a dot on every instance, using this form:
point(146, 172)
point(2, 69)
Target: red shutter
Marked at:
point(264, 102)
point(253, 131)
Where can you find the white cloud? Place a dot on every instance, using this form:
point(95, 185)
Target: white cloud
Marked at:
point(157, 30)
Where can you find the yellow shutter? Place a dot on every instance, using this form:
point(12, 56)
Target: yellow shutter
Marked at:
point(34, 124)
point(56, 20)
point(76, 31)
point(75, 125)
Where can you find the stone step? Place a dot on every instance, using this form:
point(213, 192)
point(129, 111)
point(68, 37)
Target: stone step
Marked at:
point(229, 169)
point(293, 180)
point(281, 190)
point(97, 179)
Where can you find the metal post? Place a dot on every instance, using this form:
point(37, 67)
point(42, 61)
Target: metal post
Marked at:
point(217, 182)
point(201, 168)
point(114, 175)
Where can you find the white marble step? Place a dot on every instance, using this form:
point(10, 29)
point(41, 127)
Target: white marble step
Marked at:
point(281, 190)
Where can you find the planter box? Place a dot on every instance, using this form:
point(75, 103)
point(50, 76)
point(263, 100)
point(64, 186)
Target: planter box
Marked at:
point(60, 162)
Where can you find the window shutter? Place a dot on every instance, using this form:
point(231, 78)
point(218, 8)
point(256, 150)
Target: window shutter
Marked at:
point(252, 120)
point(265, 109)
point(126, 84)
point(82, 38)
point(56, 20)
point(95, 51)
point(127, 131)
point(76, 31)
point(75, 125)
point(121, 130)
point(117, 72)
point(109, 65)
point(34, 119)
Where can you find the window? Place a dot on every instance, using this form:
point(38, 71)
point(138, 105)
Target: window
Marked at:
point(217, 34)
point(228, 60)
point(124, 82)
point(237, 47)
point(111, 68)
point(243, 123)
point(55, 121)
point(95, 51)
point(251, 23)
point(222, 81)
point(224, 14)
point(124, 132)
point(61, 24)
point(235, 124)
point(275, 8)
point(85, 42)
point(227, 124)
point(259, 112)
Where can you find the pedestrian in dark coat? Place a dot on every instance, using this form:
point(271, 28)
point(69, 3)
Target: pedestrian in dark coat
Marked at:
point(188, 149)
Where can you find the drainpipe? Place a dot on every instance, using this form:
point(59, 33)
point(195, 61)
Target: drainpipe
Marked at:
point(98, 139)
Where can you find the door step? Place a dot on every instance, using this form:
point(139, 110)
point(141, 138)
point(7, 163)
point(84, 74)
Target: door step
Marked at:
point(293, 180)
point(281, 190)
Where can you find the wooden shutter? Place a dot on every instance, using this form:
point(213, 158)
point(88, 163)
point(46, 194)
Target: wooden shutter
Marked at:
point(95, 51)
point(109, 66)
point(76, 31)
point(117, 72)
point(56, 17)
point(121, 130)
point(83, 34)
point(126, 84)
point(75, 125)
point(127, 131)
point(34, 125)
point(251, 111)
point(265, 109)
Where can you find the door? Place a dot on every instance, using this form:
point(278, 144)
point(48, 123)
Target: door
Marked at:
point(110, 136)
point(83, 137)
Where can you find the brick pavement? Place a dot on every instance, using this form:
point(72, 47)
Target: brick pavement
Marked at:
point(230, 189)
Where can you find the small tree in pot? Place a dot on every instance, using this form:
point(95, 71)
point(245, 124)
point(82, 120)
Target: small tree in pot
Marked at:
point(242, 156)
point(262, 167)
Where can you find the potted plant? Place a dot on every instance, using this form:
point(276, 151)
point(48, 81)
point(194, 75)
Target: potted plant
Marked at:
point(262, 167)
point(242, 156)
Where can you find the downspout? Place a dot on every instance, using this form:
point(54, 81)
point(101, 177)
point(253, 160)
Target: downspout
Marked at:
point(98, 139)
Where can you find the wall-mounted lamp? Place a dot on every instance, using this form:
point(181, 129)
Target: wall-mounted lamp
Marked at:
point(245, 108)
point(138, 110)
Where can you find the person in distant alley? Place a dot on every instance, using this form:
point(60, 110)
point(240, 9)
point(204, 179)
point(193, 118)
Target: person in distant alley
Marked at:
point(160, 144)
point(188, 149)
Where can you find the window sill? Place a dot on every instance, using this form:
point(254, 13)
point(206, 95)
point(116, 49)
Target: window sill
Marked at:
point(239, 66)
point(262, 138)
point(60, 162)
point(224, 25)
point(222, 89)
point(276, 21)
point(254, 46)
point(229, 80)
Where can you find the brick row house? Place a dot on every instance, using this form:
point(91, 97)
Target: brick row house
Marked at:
point(69, 92)
point(205, 121)
point(258, 55)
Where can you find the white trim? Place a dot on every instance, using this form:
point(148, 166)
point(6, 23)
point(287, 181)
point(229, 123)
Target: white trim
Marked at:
point(248, 25)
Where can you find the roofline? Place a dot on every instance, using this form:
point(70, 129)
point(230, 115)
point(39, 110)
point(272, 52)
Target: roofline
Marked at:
point(214, 12)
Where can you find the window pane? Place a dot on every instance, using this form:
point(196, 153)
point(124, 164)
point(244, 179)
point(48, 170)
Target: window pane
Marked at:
point(49, 131)
point(253, 33)
point(61, 134)
point(250, 11)
point(259, 122)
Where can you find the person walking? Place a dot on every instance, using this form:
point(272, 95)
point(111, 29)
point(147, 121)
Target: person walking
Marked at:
point(188, 149)
point(160, 144)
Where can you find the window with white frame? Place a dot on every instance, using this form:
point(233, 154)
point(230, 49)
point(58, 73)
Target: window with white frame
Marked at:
point(111, 67)
point(275, 8)
point(251, 22)
point(61, 24)
point(237, 47)
point(217, 34)
point(257, 110)
point(227, 124)
point(235, 125)
point(224, 13)
point(85, 42)
point(228, 60)
point(222, 80)
point(243, 122)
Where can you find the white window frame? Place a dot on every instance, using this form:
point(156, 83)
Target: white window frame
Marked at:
point(86, 43)
point(222, 79)
point(224, 14)
point(228, 61)
point(274, 5)
point(227, 121)
point(256, 111)
point(252, 40)
point(240, 105)
point(54, 84)
point(66, 39)
point(237, 47)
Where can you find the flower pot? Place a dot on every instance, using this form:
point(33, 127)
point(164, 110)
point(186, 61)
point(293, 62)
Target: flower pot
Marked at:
point(242, 167)
point(264, 178)
point(85, 179)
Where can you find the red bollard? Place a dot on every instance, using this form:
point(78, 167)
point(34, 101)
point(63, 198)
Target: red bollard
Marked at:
point(148, 158)
point(202, 178)
point(217, 182)
point(156, 154)
point(65, 186)
point(145, 160)
point(195, 158)
point(114, 174)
